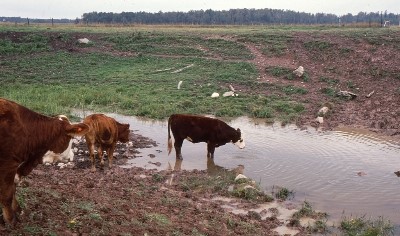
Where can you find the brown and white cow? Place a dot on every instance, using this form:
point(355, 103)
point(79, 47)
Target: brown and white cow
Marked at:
point(197, 129)
point(25, 136)
point(104, 132)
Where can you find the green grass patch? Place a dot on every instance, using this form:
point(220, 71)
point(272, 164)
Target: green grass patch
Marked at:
point(284, 194)
point(29, 43)
point(160, 43)
point(272, 42)
point(317, 45)
point(328, 91)
point(133, 86)
point(290, 90)
point(366, 227)
point(278, 71)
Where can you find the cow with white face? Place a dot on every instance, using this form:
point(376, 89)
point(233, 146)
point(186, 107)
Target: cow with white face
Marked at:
point(197, 129)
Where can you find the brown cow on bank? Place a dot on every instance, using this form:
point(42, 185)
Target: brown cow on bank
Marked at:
point(197, 129)
point(25, 136)
point(104, 132)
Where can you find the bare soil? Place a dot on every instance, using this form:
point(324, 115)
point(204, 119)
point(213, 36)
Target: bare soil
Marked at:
point(135, 201)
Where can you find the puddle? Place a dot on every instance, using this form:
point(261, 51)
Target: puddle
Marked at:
point(342, 172)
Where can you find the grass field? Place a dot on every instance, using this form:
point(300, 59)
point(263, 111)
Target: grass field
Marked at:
point(135, 70)
point(53, 81)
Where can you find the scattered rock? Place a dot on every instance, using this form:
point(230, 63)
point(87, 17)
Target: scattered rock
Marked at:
point(84, 41)
point(299, 71)
point(346, 94)
point(323, 111)
point(179, 70)
point(370, 94)
point(320, 119)
point(215, 95)
point(228, 94)
point(240, 176)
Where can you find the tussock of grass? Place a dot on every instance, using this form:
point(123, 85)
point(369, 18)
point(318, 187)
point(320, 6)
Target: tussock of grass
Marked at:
point(364, 226)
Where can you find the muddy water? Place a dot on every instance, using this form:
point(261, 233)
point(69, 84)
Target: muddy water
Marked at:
point(342, 172)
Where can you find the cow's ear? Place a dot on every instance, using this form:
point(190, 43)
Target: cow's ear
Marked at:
point(238, 130)
point(79, 129)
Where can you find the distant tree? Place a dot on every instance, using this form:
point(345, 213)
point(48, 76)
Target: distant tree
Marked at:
point(232, 17)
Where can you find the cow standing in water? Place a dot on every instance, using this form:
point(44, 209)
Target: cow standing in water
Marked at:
point(104, 132)
point(197, 129)
point(25, 136)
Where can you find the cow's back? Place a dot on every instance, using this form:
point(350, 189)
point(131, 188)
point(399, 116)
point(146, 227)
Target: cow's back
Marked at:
point(14, 134)
point(197, 128)
point(102, 129)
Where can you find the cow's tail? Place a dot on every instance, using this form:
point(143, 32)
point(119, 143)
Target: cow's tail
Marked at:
point(169, 135)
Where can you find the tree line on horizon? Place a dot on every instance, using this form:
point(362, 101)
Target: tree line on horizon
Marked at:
point(224, 17)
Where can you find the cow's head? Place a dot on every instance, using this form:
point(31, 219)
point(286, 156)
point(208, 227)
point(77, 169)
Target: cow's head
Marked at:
point(123, 132)
point(238, 139)
point(66, 131)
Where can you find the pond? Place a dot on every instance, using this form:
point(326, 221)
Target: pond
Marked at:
point(343, 172)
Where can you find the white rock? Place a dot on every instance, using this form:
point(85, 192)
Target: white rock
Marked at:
point(229, 94)
point(323, 111)
point(84, 40)
point(240, 176)
point(299, 71)
point(215, 95)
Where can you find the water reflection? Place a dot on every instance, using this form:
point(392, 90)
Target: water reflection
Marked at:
point(212, 168)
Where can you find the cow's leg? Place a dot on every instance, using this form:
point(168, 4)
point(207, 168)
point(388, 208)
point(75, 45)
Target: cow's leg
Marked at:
point(100, 152)
point(92, 157)
point(8, 200)
point(178, 146)
point(110, 153)
point(210, 150)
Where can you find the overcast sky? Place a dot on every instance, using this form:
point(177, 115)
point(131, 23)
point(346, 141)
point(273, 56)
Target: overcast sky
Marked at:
point(75, 8)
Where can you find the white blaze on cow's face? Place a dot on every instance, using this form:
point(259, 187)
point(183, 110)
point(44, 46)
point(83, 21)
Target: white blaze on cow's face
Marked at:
point(240, 143)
